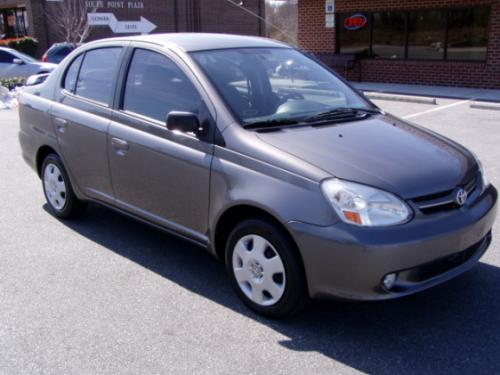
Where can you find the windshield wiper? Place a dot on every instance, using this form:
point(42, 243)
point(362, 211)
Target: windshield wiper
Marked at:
point(271, 123)
point(341, 113)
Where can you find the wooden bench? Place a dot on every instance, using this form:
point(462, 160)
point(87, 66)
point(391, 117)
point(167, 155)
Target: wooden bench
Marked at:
point(344, 61)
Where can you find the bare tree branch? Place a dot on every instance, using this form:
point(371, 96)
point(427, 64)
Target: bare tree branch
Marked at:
point(69, 19)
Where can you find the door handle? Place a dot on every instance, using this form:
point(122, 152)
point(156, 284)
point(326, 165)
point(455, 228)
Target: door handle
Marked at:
point(61, 124)
point(121, 146)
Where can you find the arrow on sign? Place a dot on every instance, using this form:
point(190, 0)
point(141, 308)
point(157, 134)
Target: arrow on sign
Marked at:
point(143, 26)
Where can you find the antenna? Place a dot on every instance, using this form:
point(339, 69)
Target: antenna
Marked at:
point(240, 5)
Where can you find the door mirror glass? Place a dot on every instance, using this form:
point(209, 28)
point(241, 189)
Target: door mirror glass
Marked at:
point(186, 122)
point(18, 61)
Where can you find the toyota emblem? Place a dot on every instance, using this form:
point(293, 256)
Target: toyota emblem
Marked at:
point(461, 197)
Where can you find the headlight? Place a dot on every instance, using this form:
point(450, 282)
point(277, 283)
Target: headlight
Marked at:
point(484, 178)
point(364, 205)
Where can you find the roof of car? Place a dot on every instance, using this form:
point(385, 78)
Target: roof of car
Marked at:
point(190, 42)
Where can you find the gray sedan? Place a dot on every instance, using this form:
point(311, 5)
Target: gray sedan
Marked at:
point(16, 64)
point(302, 186)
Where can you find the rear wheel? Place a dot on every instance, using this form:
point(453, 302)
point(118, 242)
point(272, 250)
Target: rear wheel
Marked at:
point(59, 194)
point(265, 269)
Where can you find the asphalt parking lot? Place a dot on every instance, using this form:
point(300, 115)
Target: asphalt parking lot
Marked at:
point(106, 294)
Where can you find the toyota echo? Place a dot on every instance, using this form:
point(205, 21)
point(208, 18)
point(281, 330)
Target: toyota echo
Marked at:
point(263, 156)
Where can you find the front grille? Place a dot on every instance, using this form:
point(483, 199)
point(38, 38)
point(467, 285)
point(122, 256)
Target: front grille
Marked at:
point(443, 201)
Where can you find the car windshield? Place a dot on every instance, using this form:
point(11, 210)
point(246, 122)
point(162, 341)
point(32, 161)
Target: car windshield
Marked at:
point(275, 85)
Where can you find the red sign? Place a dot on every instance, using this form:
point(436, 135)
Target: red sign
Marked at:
point(355, 22)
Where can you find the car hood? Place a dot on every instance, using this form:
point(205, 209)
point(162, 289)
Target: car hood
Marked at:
point(46, 66)
point(381, 151)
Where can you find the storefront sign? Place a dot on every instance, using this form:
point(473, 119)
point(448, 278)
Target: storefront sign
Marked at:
point(355, 22)
point(101, 4)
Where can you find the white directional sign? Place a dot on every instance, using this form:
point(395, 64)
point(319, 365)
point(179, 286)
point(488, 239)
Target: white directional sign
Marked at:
point(143, 26)
point(102, 19)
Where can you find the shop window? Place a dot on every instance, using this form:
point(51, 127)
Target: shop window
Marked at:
point(389, 35)
point(451, 34)
point(13, 23)
point(467, 34)
point(354, 35)
point(426, 38)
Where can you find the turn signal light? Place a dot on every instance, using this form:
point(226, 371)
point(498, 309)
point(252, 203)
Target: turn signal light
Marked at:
point(353, 217)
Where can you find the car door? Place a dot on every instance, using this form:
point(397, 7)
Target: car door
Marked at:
point(81, 115)
point(160, 175)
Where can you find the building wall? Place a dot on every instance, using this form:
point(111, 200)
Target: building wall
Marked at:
point(218, 16)
point(315, 37)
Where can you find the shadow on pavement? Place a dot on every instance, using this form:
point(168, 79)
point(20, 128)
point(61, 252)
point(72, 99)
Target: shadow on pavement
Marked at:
point(454, 328)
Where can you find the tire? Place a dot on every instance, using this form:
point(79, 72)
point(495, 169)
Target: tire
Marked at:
point(57, 189)
point(265, 269)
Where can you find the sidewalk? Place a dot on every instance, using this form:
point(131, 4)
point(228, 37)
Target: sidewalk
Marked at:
point(431, 91)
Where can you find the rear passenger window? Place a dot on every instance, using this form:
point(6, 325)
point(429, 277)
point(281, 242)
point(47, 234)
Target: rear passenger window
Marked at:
point(72, 74)
point(95, 80)
point(156, 86)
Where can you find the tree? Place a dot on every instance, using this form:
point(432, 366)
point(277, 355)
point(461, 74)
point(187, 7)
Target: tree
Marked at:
point(281, 19)
point(69, 19)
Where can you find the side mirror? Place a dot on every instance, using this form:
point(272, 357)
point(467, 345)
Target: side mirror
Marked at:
point(17, 61)
point(186, 122)
point(36, 79)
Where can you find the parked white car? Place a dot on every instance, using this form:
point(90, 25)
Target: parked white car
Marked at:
point(16, 64)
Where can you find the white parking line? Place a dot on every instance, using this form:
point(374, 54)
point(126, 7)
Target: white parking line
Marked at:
point(438, 108)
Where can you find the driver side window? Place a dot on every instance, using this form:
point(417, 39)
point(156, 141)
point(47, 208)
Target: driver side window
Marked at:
point(6, 57)
point(156, 86)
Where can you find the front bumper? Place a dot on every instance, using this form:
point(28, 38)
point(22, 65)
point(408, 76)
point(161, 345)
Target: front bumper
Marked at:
point(346, 261)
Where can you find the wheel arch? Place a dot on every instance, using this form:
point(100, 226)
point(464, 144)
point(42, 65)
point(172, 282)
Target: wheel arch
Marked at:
point(233, 215)
point(41, 154)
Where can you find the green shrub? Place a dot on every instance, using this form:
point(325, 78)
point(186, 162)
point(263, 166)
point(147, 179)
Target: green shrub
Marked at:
point(25, 45)
point(11, 83)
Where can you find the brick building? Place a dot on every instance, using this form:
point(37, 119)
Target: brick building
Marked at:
point(28, 17)
point(438, 42)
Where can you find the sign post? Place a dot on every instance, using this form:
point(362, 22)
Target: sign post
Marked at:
point(329, 13)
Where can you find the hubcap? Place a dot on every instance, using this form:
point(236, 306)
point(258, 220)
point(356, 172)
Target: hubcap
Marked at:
point(55, 187)
point(259, 270)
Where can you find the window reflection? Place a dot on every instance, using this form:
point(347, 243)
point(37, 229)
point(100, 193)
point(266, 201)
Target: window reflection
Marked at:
point(426, 34)
point(389, 35)
point(468, 34)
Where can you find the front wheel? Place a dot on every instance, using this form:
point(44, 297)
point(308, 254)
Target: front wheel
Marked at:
point(265, 269)
point(59, 194)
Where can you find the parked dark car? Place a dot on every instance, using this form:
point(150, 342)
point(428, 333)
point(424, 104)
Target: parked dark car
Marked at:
point(301, 185)
point(57, 52)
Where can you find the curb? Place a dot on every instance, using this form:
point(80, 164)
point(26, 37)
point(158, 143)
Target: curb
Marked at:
point(485, 105)
point(401, 98)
